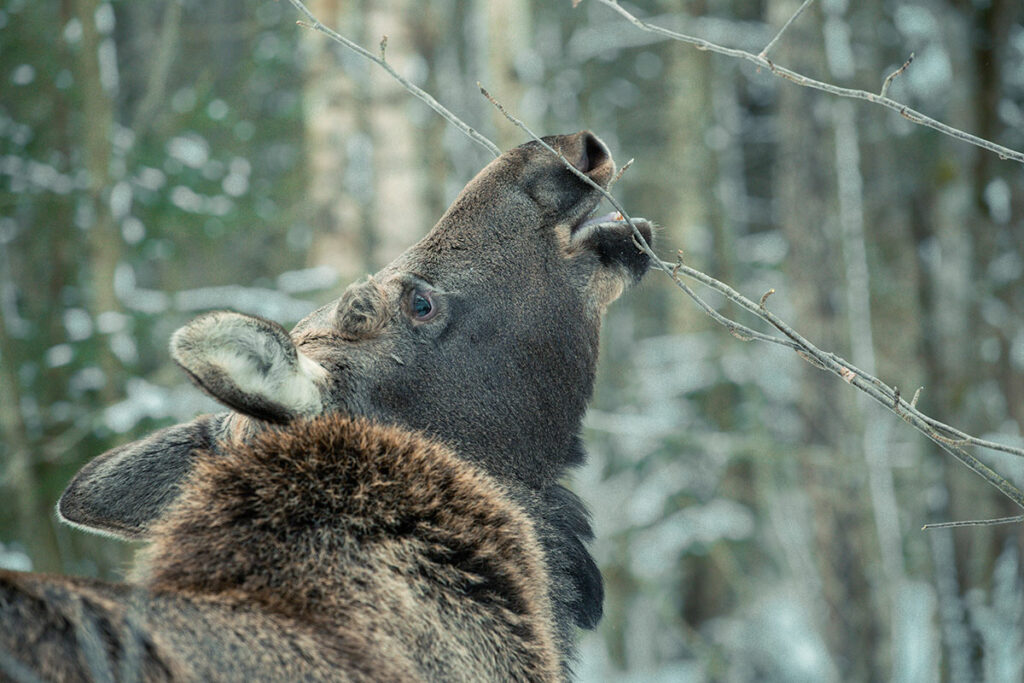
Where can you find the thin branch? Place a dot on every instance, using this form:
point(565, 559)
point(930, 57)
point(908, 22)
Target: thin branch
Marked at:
point(903, 110)
point(931, 427)
point(877, 390)
point(892, 77)
point(764, 53)
point(917, 395)
point(618, 174)
point(451, 118)
point(974, 522)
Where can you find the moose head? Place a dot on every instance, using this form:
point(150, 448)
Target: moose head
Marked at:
point(483, 335)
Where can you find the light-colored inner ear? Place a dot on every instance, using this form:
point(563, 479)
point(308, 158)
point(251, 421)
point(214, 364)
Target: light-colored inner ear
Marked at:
point(232, 354)
point(293, 386)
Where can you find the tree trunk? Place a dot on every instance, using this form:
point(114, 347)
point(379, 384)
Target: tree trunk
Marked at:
point(364, 167)
point(33, 518)
point(805, 195)
point(98, 88)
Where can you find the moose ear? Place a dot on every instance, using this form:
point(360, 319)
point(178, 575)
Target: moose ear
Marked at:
point(121, 492)
point(249, 364)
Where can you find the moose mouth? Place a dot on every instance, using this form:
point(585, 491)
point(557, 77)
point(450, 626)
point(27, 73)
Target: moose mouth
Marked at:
point(614, 221)
point(612, 237)
point(591, 220)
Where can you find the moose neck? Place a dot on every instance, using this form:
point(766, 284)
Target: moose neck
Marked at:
point(535, 463)
point(521, 421)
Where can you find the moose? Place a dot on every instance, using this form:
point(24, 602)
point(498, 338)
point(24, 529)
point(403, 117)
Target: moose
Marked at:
point(382, 500)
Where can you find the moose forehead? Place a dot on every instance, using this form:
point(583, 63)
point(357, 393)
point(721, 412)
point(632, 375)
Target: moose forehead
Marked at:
point(506, 236)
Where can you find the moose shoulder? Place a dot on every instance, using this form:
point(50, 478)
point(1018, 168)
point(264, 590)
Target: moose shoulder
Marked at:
point(483, 336)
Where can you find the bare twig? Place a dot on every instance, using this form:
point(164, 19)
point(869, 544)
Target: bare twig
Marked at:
point(877, 390)
point(764, 53)
point(451, 118)
point(917, 395)
point(618, 174)
point(892, 77)
point(975, 522)
point(903, 110)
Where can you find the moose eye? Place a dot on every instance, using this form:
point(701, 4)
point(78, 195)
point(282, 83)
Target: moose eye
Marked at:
point(422, 305)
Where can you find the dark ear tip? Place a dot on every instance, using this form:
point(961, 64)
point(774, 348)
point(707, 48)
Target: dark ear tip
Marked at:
point(70, 508)
point(65, 507)
point(591, 607)
point(72, 512)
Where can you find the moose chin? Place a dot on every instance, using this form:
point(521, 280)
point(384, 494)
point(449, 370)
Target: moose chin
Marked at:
point(381, 500)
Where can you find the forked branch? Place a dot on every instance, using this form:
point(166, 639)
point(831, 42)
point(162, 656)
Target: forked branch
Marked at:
point(762, 61)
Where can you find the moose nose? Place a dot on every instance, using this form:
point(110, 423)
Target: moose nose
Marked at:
point(594, 155)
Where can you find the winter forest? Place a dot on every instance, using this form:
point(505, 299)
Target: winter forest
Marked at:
point(757, 517)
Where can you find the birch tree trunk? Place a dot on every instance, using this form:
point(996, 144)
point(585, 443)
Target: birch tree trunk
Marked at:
point(805, 207)
point(362, 145)
point(508, 25)
point(336, 128)
point(398, 197)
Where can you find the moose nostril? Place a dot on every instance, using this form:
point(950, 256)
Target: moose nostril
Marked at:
point(594, 152)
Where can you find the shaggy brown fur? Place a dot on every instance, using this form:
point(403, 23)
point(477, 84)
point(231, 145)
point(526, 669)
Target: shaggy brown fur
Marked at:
point(334, 549)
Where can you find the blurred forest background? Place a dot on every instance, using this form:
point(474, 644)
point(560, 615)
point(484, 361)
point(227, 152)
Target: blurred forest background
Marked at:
point(756, 518)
